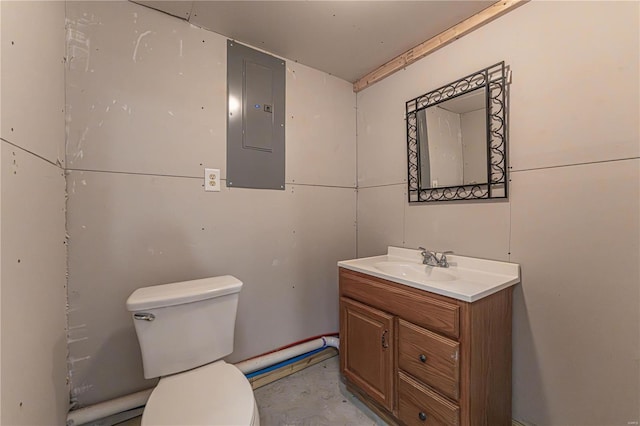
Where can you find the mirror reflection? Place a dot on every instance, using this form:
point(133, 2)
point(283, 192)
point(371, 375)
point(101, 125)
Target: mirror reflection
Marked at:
point(452, 141)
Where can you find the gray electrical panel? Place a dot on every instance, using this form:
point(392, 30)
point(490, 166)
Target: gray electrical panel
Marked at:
point(255, 118)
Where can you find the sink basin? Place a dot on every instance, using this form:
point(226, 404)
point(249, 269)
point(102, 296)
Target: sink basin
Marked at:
point(467, 279)
point(415, 272)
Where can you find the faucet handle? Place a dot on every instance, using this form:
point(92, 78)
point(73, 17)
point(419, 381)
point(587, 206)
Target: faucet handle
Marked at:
point(443, 258)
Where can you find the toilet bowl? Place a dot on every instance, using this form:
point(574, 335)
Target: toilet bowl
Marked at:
point(214, 394)
point(184, 330)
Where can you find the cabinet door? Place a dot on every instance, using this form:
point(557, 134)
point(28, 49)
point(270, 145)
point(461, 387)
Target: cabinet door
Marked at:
point(366, 349)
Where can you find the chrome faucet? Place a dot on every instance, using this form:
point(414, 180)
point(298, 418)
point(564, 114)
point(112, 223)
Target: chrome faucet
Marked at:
point(430, 258)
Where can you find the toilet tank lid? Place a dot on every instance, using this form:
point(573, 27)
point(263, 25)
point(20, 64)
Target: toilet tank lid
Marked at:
point(159, 296)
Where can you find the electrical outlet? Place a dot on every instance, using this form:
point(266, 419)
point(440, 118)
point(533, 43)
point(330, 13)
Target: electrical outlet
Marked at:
point(212, 180)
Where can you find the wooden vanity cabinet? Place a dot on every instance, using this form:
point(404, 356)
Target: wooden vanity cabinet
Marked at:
point(418, 358)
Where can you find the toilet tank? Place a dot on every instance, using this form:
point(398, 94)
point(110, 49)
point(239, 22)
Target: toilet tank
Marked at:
point(186, 324)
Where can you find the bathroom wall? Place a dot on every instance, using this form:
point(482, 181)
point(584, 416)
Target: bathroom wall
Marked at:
point(0, 217)
point(572, 217)
point(32, 201)
point(146, 108)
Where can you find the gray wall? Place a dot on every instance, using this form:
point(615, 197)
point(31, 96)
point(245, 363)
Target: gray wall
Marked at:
point(32, 260)
point(572, 217)
point(146, 105)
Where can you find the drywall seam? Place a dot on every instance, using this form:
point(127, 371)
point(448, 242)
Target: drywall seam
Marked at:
point(118, 172)
point(0, 217)
point(191, 12)
point(405, 205)
point(66, 203)
point(357, 181)
point(575, 164)
point(32, 153)
point(195, 177)
point(0, 256)
point(381, 185)
point(318, 185)
point(510, 228)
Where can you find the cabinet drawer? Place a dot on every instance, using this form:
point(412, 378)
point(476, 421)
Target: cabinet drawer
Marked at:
point(419, 405)
point(434, 312)
point(429, 357)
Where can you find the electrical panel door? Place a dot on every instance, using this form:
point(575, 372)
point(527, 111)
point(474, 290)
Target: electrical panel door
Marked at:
point(255, 118)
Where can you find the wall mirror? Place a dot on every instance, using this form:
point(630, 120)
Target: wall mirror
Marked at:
point(457, 139)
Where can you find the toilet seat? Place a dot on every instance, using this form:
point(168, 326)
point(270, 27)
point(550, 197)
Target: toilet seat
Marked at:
point(214, 394)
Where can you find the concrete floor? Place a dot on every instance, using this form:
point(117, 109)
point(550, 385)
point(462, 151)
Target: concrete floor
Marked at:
point(314, 396)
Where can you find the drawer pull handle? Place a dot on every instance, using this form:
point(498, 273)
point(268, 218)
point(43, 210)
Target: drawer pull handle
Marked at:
point(384, 339)
point(422, 416)
point(423, 358)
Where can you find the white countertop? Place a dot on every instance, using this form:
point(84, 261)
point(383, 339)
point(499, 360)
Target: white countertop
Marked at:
point(471, 279)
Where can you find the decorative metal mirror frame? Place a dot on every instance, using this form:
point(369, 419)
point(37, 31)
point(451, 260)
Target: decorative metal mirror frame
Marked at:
point(494, 81)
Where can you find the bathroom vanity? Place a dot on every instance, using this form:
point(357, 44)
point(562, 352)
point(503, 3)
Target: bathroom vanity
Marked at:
point(423, 345)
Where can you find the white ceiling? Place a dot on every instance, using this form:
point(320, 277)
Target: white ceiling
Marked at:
point(347, 39)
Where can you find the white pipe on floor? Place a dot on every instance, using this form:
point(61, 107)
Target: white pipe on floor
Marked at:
point(138, 399)
point(108, 408)
point(264, 361)
point(334, 342)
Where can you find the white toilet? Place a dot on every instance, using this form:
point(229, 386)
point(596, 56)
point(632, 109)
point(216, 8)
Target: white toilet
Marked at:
point(184, 330)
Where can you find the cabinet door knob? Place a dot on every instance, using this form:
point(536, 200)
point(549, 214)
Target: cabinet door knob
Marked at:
point(422, 416)
point(423, 358)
